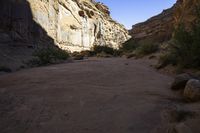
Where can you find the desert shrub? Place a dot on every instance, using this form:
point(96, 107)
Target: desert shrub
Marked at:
point(87, 53)
point(48, 56)
point(129, 46)
point(182, 46)
point(5, 69)
point(186, 45)
point(146, 48)
point(140, 48)
point(77, 56)
point(82, 54)
point(166, 59)
point(103, 55)
point(97, 49)
point(179, 50)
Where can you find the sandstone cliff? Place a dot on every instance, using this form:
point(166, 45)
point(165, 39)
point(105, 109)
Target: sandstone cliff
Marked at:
point(161, 27)
point(186, 13)
point(73, 25)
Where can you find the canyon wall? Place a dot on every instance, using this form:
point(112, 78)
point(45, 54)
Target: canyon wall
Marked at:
point(161, 27)
point(72, 25)
point(186, 13)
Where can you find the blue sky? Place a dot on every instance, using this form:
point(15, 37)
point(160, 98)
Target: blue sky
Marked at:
point(129, 12)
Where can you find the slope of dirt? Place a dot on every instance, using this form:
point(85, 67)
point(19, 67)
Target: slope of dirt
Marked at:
point(113, 95)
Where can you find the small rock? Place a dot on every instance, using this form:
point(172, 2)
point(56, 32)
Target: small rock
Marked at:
point(192, 90)
point(180, 81)
point(66, 114)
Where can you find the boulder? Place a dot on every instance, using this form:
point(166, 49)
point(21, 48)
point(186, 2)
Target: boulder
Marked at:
point(192, 90)
point(180, 81)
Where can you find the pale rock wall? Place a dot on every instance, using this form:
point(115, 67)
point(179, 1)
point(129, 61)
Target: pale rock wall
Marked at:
point(77, 25)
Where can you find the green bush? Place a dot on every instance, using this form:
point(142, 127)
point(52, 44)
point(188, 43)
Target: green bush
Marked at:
point(166, 59)
point(146, 48)
point(77, 56)
point(129, 46)
point(82, 54)
point(49, 56)
point(87, 53)
point(140, 47)
point(186, 46)
point(97, 49)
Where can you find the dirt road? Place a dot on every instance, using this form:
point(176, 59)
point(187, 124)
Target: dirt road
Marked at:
point(113, 95)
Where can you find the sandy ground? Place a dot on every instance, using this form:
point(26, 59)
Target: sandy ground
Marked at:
point(113, 95)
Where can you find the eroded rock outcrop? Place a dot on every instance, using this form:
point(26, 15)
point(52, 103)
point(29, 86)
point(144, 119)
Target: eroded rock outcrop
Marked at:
point(186, 13)
point(73, 25)
point(161, 27)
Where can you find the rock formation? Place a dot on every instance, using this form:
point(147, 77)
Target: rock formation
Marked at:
point(158, 27)
point(186, 13)
point(73, 25)
point(161, 27)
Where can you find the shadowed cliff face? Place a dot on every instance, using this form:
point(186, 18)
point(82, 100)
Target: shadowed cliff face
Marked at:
point(20, 35)
point(17, 25)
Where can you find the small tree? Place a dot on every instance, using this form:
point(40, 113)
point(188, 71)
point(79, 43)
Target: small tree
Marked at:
point(187, 44)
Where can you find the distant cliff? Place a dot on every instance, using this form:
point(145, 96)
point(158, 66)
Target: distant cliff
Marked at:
point(161, 27)
point(73, 25)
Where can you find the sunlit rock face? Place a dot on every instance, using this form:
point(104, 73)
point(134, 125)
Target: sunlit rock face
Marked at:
point(77, 25)
point(73, 25)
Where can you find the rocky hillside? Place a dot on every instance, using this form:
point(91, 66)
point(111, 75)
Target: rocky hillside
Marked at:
point(158, 27)
point(161, 27)
point(73, 25)
point(186, 13)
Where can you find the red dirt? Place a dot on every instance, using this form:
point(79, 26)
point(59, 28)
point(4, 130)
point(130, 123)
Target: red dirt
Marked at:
point(113, 95)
